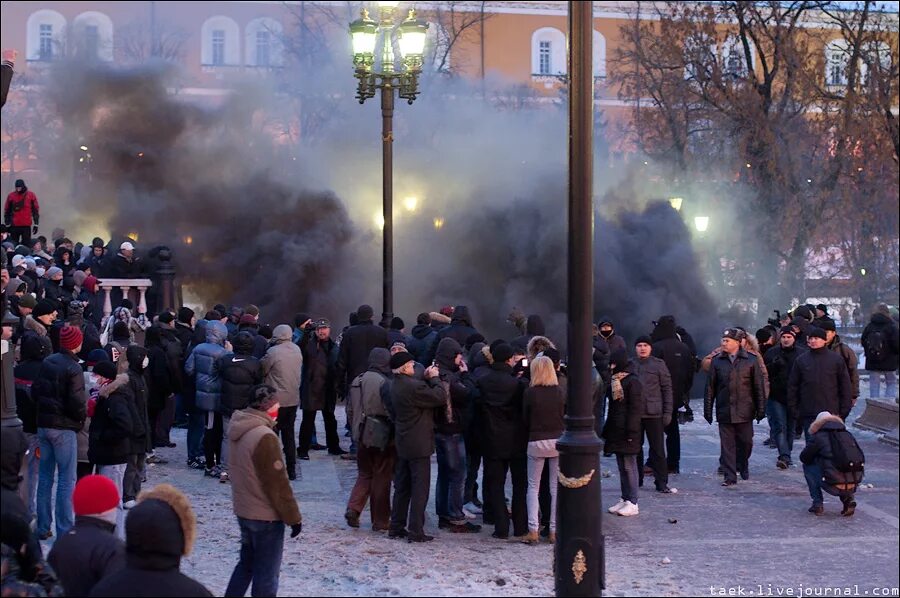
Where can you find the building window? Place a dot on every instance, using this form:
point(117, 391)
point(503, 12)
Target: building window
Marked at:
point(544, 62)
point(263, 48)
point(218, 47)
point(91, 42)
point(46, 41)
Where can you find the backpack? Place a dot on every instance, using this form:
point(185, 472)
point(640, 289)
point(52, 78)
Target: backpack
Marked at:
point(847, 457)
point(875, 345)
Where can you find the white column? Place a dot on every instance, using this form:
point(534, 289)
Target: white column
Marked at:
point(107, 302)
point(142, 304)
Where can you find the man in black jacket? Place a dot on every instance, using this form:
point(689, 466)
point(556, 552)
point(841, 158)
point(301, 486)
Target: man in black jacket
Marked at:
point(413, 403)
point(356, 344)
point(422, 337)
point(819, 382)
point(90, 550)
point(881, 343)
point(319, 390)
point(504, 442)
point(657, 388)
point(735, 388)
point(827, 432)
point(460, 329)
point(239, 372)
point(534, 326)
point(62, 404)
point(779, 363)
point(141, 443)
point(679, 360)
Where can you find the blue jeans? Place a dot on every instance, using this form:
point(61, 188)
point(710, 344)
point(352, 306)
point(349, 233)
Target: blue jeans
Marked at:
point(59, 451)
point(29, 473)
point(196, 424)
point(890, 385)
point(451, 477)
point(782, 429)
point(262, 544)
point(813, 473)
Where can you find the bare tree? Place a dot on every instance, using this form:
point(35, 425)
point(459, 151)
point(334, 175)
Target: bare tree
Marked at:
point(30, 125)
point(139, 43)
point(453, 27)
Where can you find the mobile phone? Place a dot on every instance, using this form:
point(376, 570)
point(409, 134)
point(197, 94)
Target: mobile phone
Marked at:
point(525, 362)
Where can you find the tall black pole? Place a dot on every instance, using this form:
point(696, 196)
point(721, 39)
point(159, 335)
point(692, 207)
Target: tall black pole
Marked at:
point(387, 177)
point(579, 548)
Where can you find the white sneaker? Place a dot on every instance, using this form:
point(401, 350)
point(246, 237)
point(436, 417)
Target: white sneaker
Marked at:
point(629, 510)
point(618, 506)
point(129, 504)
point(471, 508)
point(468, 515)
point(223, 477)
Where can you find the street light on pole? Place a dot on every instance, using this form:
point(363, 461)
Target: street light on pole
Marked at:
point(386, 75)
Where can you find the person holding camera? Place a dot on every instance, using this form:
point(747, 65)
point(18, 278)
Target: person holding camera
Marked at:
point(319, 388)
point(21, 214)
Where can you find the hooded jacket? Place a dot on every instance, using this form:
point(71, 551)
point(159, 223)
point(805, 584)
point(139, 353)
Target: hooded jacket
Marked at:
point(460, 329)
point(59, 393)
point(370, 392)
point(534, 326)
point(159, 531)
point(282, 367)
point(420, 341)
point(32, 353)
point(142, 436)
point(453, 418)
point(819, 381)
point(889, 358)
point(112, 426)
point(87, 553)
point(818, 450)
point(260, 489)
point(356, 344)
point(735, 389)
point(614, 341)
point(34, 327)
point(202, 365)
point(414, 402)
point(240, 372)
point(678, 357)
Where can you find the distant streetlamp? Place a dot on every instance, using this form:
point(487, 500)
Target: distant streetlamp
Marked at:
point(676, 202)
point(388, 74)
point(701, 223)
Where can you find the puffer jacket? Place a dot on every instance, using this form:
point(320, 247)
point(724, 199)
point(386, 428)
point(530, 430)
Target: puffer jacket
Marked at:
point(59, 393)
point(85, 554)
point(240, 372)
point(202, 365)
point(657, 386)
point(735, 390)
point(819, 382)
point(818, 450)
point(282, 367)
point(112, 426)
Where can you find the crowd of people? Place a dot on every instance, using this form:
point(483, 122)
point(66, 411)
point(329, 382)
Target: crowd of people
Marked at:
point(99, 397)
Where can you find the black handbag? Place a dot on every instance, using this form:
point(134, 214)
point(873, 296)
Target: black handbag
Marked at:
point(376, 432)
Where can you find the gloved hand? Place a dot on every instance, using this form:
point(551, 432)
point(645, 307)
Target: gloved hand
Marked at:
point(296, 529)
point(34, 229)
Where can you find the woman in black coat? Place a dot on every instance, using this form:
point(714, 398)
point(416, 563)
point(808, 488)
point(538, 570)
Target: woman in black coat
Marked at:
point(622, 431)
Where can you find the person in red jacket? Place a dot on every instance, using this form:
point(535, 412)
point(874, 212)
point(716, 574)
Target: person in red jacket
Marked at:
point(21, 214)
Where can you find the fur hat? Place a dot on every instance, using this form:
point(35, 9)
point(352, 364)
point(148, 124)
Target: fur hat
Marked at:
point(262, 397)
point(735, 334)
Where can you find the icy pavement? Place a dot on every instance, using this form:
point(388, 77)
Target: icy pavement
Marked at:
point(755, 534)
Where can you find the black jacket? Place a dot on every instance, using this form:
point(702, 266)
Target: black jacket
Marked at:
point(413, 403)
point(460, 329)
point(320, 362)
point(657, 386)
point(28, 370)
point(239, 373)
point(141, 440)
point(119, 267)
point(818, 450)
point(543, 409)
point(356, 344)
point(888, 359)
point(185, 334)
point(680, 362)
point(59, 393)
point(420, 341)
point(112, 426)
point(534, 326)
point(86, 554)
point(622, 430)
point(736, 390)
point(175, 356)
point(779, 363)
point(460, 386)
point(500, 411)
point(819, 382)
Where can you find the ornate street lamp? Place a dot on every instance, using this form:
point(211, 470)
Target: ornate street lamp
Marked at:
point(387, 74)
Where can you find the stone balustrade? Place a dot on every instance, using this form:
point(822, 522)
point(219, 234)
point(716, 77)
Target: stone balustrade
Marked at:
point(126, 284)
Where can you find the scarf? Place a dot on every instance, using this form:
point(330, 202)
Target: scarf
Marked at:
point(618, 393)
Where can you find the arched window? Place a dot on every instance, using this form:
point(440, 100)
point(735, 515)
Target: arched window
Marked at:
point(548, 52)
point(599, 55)
point(220, 37)
point(437, 48)
point(45, 30)
point(262, 43)
point(837, 57)
point(92, 36)
point(734, 59)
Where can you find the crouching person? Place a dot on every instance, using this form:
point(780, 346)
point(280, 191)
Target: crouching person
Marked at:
point(261, 493)
point(833, 462)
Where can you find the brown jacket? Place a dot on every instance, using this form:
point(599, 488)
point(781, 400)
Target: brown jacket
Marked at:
point(259, 484)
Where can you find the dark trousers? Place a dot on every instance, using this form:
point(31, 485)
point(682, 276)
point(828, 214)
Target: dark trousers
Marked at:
point(495, 471)
point(412, 483)
point(195, 434)
point(84, 468)
point(286, 418)
point(652, 428)
point(20, 235)
point(736, 442)
point(473, 464)
point(262, 545)
point(212, 440)
point(308, 428)
point(164, 422)
point(134, 471)
point(375, 469)
point(673, 444)
point(154, 415)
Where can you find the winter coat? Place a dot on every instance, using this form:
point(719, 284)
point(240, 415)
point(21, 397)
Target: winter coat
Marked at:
point(460, 329)
point(59, 393)
point(454, 417)
point(534, 326)
point(260, 489)
point(420, 341)
point(779, 363)
point(735, 389)
point(239, 373)
point(25, 373)
point(370, 392)
point(112, 425)
point(121, 267)
point(706, 363)
point(888, 360)
point(85, 554)
point(414, 402)
point(657, 386)
point(500, 412)
point(34, 327)
point(819, 382)
point(260, 344)
point(356, 344)
point(184, 333)
point(615, 342)
point(142, 436)
point(202, 365)
point(159, 379)
point(679, 360)
point(320, 359)
point(397, 336)
point(818, 450)
point(622, 428)
point(543, 409)
point(158, 532)
point(850, 360)
point(282, 368)
point(39, 581)
point(21, 209)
